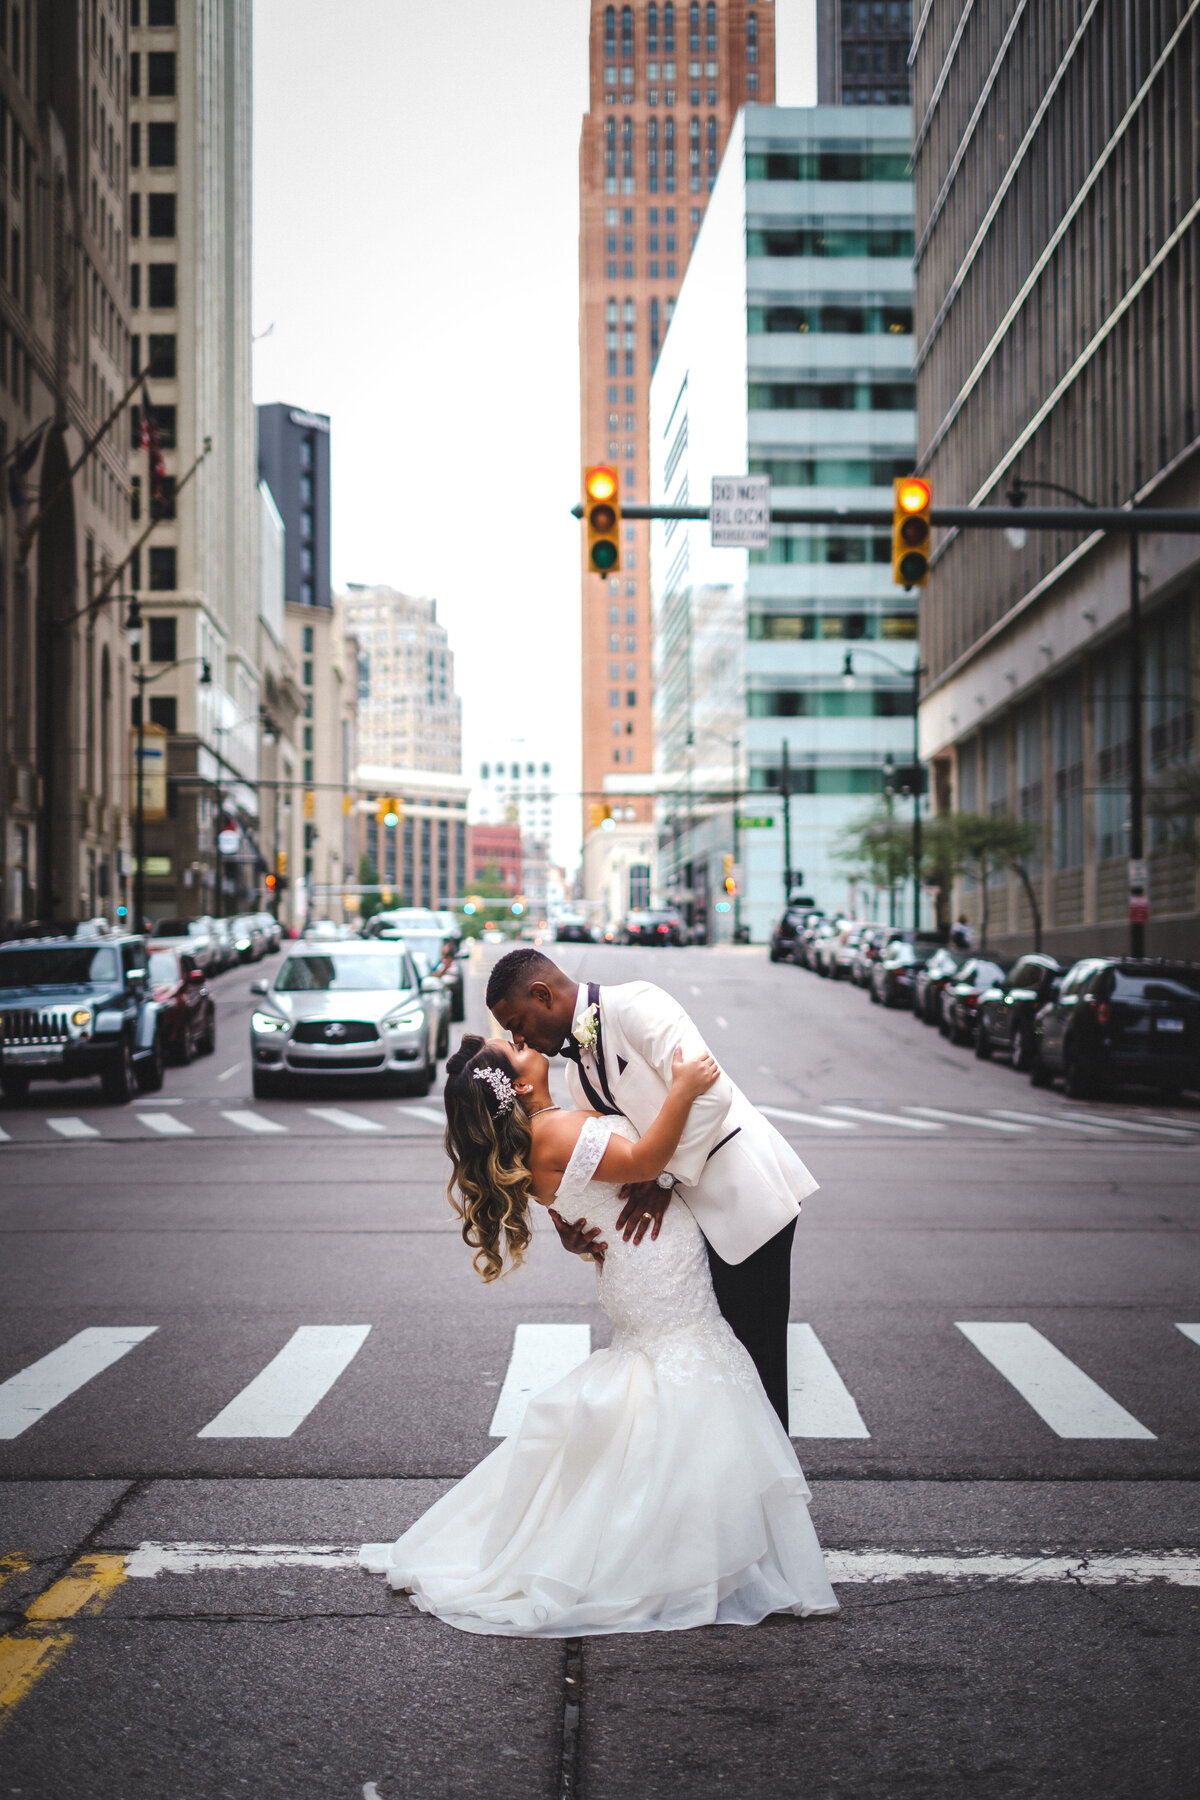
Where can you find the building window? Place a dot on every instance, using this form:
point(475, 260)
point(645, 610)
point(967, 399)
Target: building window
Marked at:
point(162, 640)
point(135, 215)
point(160, 210)
point(614, 696)
point(1066, 724)
point(160, 284)
point(627, 148)
point(159, 12)
point(164, 712)
point(307, 640)
point(161, 345)
point(135, 77)
point(162, 567)
point(610, 152)
point(652, 29)
point(135, 146)
point(752, 37)
point(669, 155)
point(631, 697)
point(160, 144)
point(160, 74)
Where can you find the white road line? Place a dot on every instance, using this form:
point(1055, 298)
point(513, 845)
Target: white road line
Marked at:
point(1181, 1124)
point(541, 1355)
point(26, 1397)
point(802, 1118)
point(820, 1405)
point(334, 1115)
point(723, 1023)
point(72, 1128)
point(426, 1113)
point(1025, 1118)
point(694, 992)
point(1166, 1131)
point(231, 1070)
point(953, 1118)
point(1071, 1403)
point(165, 1124)
point(878, 1118)
point(252, 1121)
point(1122, 1568)
point(1190, 1331)
point(162, 1102)
point(280, 1398)
point(4, 1136)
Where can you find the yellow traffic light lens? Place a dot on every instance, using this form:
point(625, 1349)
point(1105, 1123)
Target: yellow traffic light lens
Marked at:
point(602, 517)
point(913, 496)
point(915, 530)
point(604, 555)
point(601, 484)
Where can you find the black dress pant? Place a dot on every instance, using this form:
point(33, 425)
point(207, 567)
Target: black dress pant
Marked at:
point(755, 1298)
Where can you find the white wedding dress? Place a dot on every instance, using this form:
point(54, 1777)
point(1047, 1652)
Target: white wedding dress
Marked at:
point(651, 1489)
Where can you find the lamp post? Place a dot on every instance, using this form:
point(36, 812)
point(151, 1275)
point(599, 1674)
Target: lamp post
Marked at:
point(918, 669)
point(735, 790)
point(133, 633)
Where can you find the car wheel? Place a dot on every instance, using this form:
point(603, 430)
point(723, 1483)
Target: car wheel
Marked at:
point(1040, 1073)
point(1021, 1054)
point(443, 1043)
point(419, 1085)
point(15, 1088)
point(148, 1073)
point(117, 1082)
point(208, 1037)
point(185, 1049)
point(1079, 1079)
point(983, 1043)
point(874, 995)
point(265, 1086)
point(458, 1007)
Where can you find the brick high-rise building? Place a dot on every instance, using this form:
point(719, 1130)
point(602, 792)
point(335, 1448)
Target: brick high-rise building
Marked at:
point(666, 83)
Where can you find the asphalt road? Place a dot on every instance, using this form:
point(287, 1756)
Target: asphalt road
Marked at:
point(1011, 1513)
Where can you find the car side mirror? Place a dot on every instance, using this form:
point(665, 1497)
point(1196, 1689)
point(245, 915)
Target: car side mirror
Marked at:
point(431, 984)
point(258, 987)
point(135, 976)
point(465, 951)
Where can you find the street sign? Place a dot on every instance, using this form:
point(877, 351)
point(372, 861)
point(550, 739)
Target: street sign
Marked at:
point(755, 824)
point(154, 769)
point(229, 841)
point(1139, 872)
point(740, 515)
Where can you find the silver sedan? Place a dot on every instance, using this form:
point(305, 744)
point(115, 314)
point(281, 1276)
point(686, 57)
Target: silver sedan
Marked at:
point(343, 1012)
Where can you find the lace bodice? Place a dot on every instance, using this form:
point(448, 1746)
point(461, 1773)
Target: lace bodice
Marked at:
point(658, 1294)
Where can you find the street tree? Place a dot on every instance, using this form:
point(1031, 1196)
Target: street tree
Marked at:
point(876, 849)
point(977, 845)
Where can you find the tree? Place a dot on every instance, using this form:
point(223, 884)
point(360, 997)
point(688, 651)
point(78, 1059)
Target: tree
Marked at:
point(876, 849)
point(368, 876)
point(977, 844)
point(1175, 797)
point(488, 887)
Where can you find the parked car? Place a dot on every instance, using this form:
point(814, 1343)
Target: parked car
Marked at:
point(661, 926)
point(188, 1016)
point(813, 934)
point(572, 928)
point(419, 930)
point(844, 952)
point(943, 966)
point(437, 997)
point(77, 1007)
point(1121, 1019)
point(893, 975)
point(827, 944)
point(960, 997)
point(197, 934)
point(1007, 1011)
point(789, 931)
point(225, 942)
point(342, 1012)
point(327, 931)
point(249, 938)
point(271, 929)
point(867, 953)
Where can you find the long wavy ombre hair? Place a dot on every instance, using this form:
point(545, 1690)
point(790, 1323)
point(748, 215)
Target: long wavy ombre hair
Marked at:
point(490, 1187)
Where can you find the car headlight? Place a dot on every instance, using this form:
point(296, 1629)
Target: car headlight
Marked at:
point(81, 1017)
point(261, 1021)
point(409, 1018)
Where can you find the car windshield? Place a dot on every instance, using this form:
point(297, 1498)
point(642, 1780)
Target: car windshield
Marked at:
point(164, 967)
point(1178, 987)
point(312, 973)
point(171, 927)
point(66, 965)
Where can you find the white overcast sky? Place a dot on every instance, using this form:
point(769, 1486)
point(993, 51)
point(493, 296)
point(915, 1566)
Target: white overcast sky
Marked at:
point(416, 174)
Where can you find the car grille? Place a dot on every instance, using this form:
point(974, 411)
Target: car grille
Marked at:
point(33, 1026)
point(345, 1031)
point(323, 1063)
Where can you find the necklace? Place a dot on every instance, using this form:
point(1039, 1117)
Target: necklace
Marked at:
point(552, 1107)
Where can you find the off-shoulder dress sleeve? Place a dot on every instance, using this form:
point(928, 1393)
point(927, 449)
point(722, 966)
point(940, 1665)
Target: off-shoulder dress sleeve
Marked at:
point(586, 1158)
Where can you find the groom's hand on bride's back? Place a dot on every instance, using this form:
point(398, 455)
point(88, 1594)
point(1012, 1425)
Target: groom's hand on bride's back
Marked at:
point(580, 1238)
point(645, 1204)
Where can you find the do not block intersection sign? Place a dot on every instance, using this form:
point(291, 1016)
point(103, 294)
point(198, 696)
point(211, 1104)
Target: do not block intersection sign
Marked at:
point(740, 514)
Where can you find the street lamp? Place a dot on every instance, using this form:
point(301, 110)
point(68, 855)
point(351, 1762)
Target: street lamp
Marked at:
point(918, 669)
point(133, 634)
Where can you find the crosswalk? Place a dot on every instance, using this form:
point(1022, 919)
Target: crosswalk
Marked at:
point(202, 1120)
point(304, 1371)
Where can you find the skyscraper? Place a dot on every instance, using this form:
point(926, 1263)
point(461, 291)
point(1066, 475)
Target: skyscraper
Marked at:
point(666, 81)
point(862, 52)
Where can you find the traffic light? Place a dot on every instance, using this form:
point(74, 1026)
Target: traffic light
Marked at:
point(730, 879)
point(600, 813)
point(281, 862)
point(271, 882)
point(911, 531)
point(389, 813)
point(602, 495)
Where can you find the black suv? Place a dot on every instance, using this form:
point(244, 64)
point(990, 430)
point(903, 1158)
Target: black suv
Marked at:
point(1007, 1011)
point(74, 1007)
point(1121, 1019)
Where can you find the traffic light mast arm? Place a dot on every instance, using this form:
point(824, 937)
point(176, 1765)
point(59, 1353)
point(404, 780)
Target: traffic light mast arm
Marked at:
point(984, 518)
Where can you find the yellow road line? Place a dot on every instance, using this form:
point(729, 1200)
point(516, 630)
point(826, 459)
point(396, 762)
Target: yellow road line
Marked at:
point(27, 1653)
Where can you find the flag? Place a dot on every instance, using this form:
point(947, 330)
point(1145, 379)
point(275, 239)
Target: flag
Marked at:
point(151, 442)
point(23, 459)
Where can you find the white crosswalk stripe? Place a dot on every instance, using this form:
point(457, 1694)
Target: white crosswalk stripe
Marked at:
point(252, 1121)
point(348, 1121)
point(880, 1118)
point(541, 1355)
point(1190, 1331)
point(4, 1137)
point(1071, 1403)
point(803, 1118)
point(820, 1405)
point(427, 1114)
point(1163, 1131)
point(279, 1399)
point(29, 1396)
point(72, 1128)
point(1054, 1122)
point(952, 1118)
point(166, 1124)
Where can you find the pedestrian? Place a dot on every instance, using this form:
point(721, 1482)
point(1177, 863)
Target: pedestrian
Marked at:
point(961, 935)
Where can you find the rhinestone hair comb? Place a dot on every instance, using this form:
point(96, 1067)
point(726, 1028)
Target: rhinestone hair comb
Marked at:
point(501, 1086)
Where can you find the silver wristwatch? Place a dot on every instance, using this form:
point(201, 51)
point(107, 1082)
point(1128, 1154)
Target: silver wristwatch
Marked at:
point(664, 1180)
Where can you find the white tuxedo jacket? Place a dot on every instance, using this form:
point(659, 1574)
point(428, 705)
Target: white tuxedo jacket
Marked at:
point(742, 1181)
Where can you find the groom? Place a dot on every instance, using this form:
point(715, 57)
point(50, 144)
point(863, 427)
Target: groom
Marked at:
point(742, 1182)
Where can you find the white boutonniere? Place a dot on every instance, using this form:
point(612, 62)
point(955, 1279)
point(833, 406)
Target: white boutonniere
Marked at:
point(588, 1028)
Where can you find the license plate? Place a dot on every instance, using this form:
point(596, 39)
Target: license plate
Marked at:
point(1169, 1024)
point(27, 1054)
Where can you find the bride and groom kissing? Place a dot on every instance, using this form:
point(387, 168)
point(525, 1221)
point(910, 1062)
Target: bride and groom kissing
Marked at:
point(654, 1488)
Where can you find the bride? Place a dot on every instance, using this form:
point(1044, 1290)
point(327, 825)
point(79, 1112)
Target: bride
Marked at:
point(651, 1489)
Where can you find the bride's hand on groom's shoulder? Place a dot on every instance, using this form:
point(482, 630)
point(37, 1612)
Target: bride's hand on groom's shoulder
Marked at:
point(580, 1238)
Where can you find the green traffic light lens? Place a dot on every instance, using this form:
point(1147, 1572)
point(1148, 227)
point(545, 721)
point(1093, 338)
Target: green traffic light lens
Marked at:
point(914, 566)
point(604, 554)
point(602, 518)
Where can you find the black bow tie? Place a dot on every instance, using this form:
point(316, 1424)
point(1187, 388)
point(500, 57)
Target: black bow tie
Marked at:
point(570, 1049)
